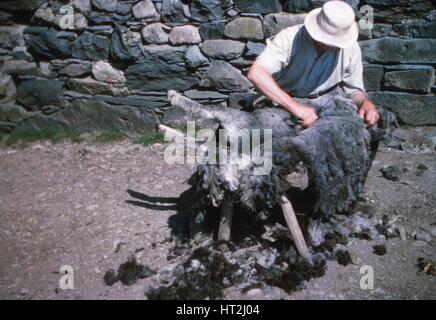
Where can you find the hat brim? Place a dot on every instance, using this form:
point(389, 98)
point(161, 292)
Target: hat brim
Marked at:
point(345, 41)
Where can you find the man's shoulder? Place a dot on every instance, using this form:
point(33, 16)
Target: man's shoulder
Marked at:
point(287, 37)
point(354, 50)
point(290, 32)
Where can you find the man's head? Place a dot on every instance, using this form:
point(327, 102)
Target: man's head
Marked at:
point(333, 24)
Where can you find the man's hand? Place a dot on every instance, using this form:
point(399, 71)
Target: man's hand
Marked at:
point(263, 80)
point(307, 115)
point(368, 112)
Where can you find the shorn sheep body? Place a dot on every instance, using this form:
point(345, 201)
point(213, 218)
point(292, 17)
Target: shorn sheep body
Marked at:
point(337, 152)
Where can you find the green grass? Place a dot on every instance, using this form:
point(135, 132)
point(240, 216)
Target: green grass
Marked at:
point(54, 134)
point(149, 138)
point(109, 136)
point(184, 130)
point(57, 134)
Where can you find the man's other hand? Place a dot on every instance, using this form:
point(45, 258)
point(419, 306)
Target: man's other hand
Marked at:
point(368, 112)
point(307, 115)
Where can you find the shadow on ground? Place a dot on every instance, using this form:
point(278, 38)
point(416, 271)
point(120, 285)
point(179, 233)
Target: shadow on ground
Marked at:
point(189, 221)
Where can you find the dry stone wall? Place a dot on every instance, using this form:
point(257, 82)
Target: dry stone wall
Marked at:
point(91, 64)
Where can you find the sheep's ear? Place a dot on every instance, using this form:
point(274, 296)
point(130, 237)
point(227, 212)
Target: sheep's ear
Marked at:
point(178, 100)
point(171, 93)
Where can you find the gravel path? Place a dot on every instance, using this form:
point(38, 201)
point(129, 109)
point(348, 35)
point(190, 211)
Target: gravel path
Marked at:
point(86, 206)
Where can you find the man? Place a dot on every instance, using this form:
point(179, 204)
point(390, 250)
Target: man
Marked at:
point(311, 59)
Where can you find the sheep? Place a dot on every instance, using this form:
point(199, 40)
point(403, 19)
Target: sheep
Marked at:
point(337, 152)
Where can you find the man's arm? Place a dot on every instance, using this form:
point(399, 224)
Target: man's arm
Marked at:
point(354, 86)
point(263, 80)
point(367, 109)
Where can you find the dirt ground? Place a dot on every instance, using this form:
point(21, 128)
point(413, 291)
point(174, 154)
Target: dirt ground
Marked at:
point(89, 206)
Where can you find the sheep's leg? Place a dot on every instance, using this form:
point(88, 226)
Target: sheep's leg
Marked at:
point(226, 218)
point(176, 133)
point(170, 131)
point(294, 227)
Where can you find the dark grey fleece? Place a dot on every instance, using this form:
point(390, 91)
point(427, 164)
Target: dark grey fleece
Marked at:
point(336, 150)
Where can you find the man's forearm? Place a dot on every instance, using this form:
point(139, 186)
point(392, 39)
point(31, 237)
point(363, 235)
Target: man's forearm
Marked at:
point(264, 81)
point(367, 109)
point(269, 87)
point(359, 98)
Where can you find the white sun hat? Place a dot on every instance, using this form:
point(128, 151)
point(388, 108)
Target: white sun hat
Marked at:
point(333, 24)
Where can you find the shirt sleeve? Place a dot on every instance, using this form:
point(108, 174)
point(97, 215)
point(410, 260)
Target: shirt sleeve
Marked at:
point(277, 52)
point(353, 79)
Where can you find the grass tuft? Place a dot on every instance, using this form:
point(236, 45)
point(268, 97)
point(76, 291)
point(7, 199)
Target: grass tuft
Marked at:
point(149, 138)
point(57, 134)
point(54, 134)
point(109, 136)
